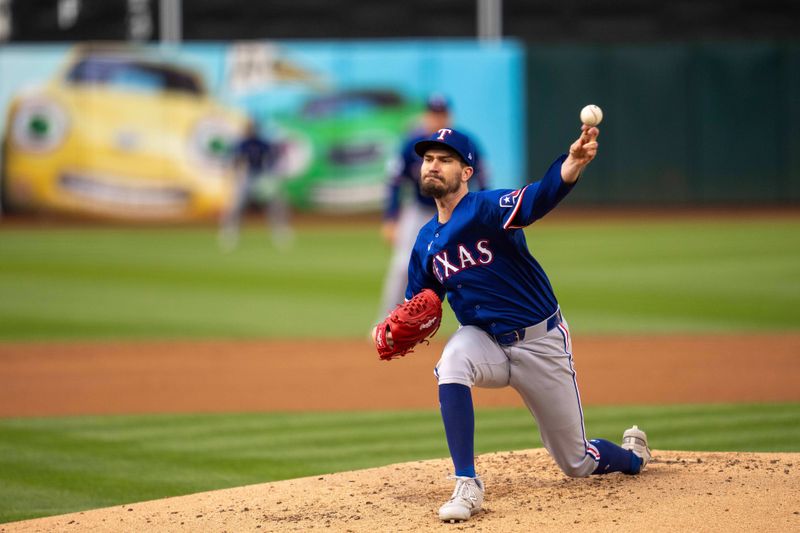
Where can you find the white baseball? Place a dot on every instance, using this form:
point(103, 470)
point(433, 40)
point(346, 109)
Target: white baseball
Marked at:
point(591, 115)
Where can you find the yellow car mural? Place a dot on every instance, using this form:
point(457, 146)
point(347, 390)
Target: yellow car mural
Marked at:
point(118, 135)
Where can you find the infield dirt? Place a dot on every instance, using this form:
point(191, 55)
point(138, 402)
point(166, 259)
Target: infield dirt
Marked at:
point(680, 491)
point(236, 376)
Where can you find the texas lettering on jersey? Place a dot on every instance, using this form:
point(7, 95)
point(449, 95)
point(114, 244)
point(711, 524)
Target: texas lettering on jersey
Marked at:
point(479, 255)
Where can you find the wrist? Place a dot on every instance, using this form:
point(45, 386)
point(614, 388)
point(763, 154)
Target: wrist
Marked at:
point(570, 170)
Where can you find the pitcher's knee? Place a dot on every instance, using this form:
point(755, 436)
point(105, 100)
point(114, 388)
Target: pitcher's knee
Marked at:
point(573, 471)
point(472, 358)
point(577, 469)
point(455, 367)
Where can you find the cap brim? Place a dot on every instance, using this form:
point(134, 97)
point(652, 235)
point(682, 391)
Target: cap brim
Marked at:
point(423, 146)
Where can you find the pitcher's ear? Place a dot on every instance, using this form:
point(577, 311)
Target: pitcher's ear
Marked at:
point(467, 172)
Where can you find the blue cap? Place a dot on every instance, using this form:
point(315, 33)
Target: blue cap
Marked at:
point(438, 103)
point(448, 138)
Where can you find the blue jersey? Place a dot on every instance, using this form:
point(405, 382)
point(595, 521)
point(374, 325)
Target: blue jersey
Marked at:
point(480, 258)
point(408, 173)
point(258, 154)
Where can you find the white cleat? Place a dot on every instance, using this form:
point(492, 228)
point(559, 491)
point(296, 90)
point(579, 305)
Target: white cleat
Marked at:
point(466, 500)
point(635, 440)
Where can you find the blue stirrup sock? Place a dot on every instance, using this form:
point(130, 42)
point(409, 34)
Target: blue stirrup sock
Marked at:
point(614, 458)
point(458, 415)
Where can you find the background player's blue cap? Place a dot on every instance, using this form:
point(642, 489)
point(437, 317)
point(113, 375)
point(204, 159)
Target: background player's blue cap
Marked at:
point(438, 103)
point(448, 138)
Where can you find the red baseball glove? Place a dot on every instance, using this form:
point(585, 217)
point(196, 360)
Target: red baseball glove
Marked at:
point(409, 324)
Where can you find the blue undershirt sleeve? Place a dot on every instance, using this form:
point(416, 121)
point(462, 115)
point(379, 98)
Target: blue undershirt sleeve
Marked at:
point(392, 207)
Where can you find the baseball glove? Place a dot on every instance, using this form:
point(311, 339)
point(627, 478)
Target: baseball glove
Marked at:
point(409, 324)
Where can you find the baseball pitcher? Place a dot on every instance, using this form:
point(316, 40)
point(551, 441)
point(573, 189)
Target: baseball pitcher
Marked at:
point(513, 332)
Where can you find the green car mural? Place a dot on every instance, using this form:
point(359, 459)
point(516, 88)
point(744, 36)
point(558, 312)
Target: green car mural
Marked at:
point(339, 149)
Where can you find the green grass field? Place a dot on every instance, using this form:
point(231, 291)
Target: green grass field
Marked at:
point(625, 276)
point(52, 466)
point(612, 277)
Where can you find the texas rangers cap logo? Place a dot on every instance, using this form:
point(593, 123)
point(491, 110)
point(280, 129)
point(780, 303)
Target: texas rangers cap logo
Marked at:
point(450, 138)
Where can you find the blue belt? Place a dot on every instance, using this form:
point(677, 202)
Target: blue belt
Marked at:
point(535, 331)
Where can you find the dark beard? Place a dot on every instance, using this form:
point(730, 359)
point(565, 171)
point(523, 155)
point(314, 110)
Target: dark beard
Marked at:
point(436, 189)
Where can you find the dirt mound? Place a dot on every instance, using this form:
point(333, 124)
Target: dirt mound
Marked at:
point(679, 491)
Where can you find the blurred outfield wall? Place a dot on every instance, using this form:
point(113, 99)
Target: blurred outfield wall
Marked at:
point(94, 126)
point(686, 123)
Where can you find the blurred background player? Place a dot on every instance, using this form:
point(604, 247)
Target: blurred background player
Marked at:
point(407, 209)
point(256, 160)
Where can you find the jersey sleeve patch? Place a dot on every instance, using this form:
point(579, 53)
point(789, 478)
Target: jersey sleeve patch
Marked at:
point(512, 200)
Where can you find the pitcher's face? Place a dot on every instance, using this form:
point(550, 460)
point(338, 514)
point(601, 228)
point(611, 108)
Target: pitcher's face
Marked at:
point(443, 172)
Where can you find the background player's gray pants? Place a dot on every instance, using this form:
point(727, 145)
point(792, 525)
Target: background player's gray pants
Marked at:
point(276, 210)
point(541, 371)
point(412, 218)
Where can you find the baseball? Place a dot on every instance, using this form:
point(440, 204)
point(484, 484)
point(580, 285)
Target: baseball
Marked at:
point(591, 115)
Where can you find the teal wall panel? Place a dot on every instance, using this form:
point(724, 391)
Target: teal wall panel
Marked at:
point(684, 123)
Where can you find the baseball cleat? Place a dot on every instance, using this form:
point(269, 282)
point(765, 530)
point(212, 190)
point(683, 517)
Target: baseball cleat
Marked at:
point(635, 440)
point(466, 500)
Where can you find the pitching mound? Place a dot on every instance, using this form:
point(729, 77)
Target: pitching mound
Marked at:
point(679, 491)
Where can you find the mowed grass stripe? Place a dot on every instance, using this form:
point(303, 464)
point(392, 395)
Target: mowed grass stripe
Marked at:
point(714, 427)
point(85, 462)
point(676, 276)
point(176, 283)
point(610, 276)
